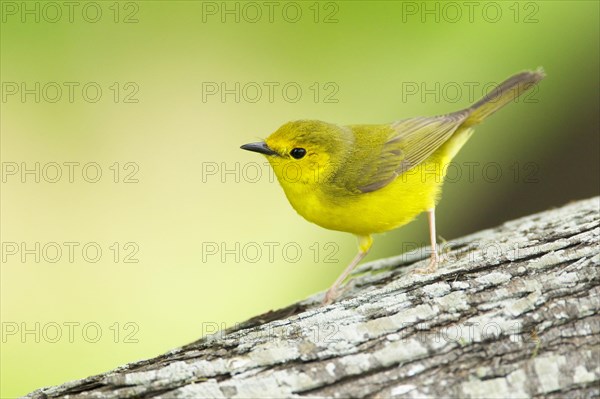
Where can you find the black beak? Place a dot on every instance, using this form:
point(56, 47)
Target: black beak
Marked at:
point(260, 147)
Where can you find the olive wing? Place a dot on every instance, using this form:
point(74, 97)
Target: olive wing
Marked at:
point(406, 144)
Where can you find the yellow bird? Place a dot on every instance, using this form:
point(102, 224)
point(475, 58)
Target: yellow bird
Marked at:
point(366, 179)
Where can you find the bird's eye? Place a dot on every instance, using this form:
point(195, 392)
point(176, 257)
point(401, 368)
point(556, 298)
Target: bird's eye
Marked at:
point(298, 153)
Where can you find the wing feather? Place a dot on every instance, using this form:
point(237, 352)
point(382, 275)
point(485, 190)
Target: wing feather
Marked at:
point(407, 143)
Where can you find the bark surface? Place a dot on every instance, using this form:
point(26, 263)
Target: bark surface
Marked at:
point(512, 312)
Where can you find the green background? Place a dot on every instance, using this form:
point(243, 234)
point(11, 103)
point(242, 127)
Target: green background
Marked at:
point(369, 53)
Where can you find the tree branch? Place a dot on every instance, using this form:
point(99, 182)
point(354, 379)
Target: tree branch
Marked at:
point(512, 312)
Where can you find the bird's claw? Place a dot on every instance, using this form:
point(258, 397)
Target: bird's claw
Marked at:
point(335, 293)
point(330, 296)
point(431, 267)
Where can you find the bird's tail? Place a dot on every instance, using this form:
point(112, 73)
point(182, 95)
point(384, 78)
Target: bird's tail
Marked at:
point(506, 92)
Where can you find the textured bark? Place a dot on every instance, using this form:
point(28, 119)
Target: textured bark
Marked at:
point(512, 312)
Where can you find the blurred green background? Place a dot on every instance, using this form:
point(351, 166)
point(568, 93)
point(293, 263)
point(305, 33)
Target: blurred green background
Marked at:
point(158, 65)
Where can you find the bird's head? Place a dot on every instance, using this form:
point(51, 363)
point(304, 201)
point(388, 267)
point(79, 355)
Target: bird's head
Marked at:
point(305, 151)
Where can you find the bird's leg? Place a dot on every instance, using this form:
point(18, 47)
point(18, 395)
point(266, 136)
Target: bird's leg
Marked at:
point(364, 243)
point(435, 258)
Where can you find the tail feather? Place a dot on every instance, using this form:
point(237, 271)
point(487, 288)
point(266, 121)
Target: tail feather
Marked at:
point(506, 92)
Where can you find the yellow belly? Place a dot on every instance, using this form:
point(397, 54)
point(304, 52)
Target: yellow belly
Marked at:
point(392, 206)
